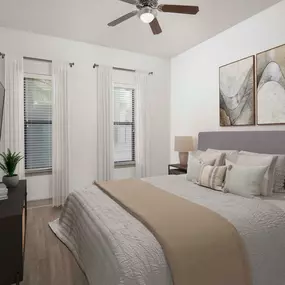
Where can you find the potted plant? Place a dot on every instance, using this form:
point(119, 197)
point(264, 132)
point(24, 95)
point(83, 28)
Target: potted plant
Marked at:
point(10, 161)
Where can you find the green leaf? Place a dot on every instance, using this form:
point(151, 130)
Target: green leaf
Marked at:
point(10, 161)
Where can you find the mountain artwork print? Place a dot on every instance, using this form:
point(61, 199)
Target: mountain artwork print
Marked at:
point(270, 71)
point(237, 92)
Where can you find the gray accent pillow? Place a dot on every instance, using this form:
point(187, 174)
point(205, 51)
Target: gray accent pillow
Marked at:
point(194, 167)
point(244, 180)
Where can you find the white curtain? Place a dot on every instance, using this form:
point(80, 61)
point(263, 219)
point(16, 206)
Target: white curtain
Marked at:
point(13, 119)
point(60, 135)
point(104, 107)
point(143, 144)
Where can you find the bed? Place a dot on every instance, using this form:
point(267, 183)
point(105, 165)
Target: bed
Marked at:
point(112, 247)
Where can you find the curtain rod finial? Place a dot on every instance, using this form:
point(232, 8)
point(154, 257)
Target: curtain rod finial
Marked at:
point(95, 65)
point(2, 55)
point(71, 64)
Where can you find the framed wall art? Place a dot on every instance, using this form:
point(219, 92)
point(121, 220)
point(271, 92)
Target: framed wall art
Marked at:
point(270, 79)
point(237, 93)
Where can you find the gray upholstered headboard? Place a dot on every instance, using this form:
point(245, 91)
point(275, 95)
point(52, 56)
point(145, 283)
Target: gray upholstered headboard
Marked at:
point(272, 142)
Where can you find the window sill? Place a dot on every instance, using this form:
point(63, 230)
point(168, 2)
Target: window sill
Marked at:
point(125, 164)
point(38, 172)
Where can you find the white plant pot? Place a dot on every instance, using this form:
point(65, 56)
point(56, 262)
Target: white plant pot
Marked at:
point(11, 181)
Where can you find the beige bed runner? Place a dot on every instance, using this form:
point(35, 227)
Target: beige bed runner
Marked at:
point(200, 246)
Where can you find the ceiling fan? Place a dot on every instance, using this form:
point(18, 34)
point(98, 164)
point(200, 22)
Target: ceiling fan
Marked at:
point(147, 12)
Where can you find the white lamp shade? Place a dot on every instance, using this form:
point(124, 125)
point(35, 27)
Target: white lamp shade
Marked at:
point(184, 144)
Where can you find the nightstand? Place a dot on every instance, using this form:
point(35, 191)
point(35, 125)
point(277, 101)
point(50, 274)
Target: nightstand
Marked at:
point(176, 169)
point(13, 219)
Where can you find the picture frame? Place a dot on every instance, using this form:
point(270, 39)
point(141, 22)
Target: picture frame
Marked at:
point(270, 86)
point(237, 93)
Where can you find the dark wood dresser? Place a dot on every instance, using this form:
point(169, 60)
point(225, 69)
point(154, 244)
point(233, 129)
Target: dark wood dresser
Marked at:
point(13, 217)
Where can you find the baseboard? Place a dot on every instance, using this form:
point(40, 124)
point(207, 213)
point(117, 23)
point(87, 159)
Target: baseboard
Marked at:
point(39, 203)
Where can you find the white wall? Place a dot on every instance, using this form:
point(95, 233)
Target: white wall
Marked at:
point(195, 73)
point(82, 87)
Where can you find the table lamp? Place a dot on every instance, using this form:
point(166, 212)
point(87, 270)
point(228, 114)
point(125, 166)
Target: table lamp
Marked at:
point(183, 145)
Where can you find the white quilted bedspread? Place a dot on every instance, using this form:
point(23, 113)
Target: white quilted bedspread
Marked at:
point(114, 248)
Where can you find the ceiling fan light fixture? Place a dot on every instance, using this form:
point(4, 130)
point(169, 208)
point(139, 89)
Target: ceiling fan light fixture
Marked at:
point(147, 12)
point(147, 15)
point(147, 18)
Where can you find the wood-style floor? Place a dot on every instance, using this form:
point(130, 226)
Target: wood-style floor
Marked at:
point(47, 260)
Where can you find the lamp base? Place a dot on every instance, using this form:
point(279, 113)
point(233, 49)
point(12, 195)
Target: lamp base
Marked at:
point(183, 158)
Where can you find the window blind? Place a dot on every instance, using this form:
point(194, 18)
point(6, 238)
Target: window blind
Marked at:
point(38, 123)
point(124, 125)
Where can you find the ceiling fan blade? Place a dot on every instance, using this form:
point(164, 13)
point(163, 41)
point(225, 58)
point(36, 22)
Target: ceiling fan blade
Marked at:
point(181, 9)
point(122, 19)
point(133, 2)
point(155, 27)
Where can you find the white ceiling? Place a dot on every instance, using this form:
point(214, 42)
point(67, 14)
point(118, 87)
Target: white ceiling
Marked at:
point(86, 20)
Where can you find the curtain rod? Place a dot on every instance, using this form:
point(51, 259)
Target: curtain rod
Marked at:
point(122, 69)
point(37, 59)
point(71, 64)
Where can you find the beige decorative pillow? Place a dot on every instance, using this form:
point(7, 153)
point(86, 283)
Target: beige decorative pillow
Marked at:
point(279, 171)
point(256, 160)
point(229, 154)
point(244, 180)
point(218, 156)
point(212, 176)
point(194, 167)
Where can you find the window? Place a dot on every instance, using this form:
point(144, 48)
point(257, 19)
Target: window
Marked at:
point(124, 126)
point(38, 123)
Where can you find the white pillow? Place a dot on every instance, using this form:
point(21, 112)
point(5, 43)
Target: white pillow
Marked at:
point(196, 153)
point(194, 167)
point(212, 176)
point(279, 170)
point(229, 154)
point(207, 156)
point(255, 160)
point(243, 180)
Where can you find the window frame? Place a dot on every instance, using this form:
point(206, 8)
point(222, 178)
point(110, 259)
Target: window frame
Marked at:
point(36, 171)
point(129, 163)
